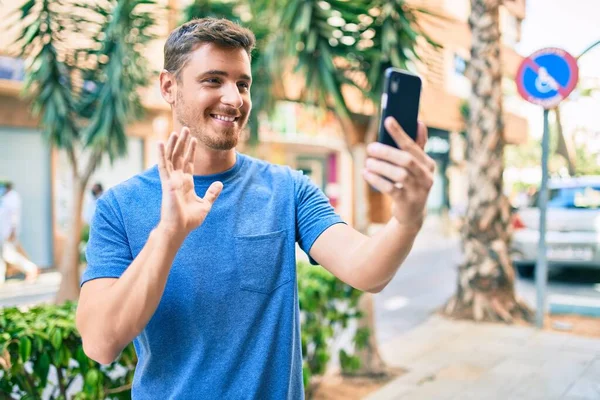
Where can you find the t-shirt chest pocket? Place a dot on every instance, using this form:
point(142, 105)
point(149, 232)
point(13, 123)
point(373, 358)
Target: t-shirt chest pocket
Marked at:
point(261, 259)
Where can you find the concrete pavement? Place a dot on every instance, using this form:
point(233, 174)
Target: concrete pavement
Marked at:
point(17, 292)
point(460, 360)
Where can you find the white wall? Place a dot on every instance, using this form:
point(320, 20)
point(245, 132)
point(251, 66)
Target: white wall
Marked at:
point(25, 160)
point(106, 174)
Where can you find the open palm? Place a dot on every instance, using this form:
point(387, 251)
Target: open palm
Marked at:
point(182, 210)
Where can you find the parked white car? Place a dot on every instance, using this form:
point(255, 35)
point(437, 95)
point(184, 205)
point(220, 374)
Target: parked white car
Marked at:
point(572, 226)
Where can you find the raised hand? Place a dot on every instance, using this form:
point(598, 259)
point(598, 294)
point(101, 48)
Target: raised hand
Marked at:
point(182, 210)
point(406, 174)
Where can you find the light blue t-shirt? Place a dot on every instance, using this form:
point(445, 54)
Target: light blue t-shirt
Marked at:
point(227, 326)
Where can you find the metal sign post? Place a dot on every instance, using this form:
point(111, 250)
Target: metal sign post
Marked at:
point(541, 269)
point(545, 78)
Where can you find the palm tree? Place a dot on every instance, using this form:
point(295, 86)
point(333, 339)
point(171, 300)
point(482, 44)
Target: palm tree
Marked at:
point(486, 279)
point(84, 69)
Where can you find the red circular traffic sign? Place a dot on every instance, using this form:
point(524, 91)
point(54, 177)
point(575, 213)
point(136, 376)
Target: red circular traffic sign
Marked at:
point(547, 77)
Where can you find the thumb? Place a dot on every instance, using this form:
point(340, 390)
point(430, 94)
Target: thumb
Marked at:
point(213, 192)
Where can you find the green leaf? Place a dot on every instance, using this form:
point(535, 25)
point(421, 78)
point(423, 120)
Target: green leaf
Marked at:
point(26, 8)
point(25, 348)
point(39, 344)
point(349, 363)
point(41, 367)
point(31, 32)
point(306, 375)
point(92, 377)
point(56, 338)
point(82, 359)
point(361, 338)
point(305, 18)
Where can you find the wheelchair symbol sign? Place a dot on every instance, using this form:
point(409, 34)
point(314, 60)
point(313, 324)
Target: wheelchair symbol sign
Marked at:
point(547, 77)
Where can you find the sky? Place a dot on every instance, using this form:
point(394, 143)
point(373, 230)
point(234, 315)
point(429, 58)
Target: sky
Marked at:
point(572, 25)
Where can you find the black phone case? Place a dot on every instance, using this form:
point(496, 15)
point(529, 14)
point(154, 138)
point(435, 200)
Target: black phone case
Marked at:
point(403, 105)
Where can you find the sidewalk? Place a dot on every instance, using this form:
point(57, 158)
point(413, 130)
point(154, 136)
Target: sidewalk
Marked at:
point(462, 360)
point(436, 229)
point(17, 292)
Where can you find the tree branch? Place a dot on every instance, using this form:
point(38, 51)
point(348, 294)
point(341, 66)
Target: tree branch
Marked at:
point(31, 383)
point(118, 389)
point(61, 384)
point(73, 160)
point(91, 167)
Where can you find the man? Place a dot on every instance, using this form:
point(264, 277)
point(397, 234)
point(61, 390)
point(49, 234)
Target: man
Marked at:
point(194, 259)
point(10, 227)
point(90, 207)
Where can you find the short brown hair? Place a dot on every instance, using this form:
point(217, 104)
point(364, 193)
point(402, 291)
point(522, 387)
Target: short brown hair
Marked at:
point(222, 32)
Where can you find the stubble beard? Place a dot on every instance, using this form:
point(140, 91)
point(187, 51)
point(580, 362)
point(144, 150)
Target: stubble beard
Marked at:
point(199, 125)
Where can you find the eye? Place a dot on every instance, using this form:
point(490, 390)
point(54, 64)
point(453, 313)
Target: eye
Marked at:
point(244, 85)
point(213, 81)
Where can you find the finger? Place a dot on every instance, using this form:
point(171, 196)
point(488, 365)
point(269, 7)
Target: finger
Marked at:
point(163, 172)
point(422, 138)
point(422, 135)
point(399, 158)
point(379, 183)
point(389, 171)
point(190, 155)
point(403, 140)
point(180, 146)
point(214, 190)
point(170, 145)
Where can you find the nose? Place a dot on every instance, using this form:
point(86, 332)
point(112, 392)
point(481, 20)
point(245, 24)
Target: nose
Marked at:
point(231, 96)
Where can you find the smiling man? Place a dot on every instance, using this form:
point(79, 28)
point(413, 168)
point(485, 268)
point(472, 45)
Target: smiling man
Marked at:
point(194, 259)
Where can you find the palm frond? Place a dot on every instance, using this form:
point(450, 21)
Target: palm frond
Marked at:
point(116, 101)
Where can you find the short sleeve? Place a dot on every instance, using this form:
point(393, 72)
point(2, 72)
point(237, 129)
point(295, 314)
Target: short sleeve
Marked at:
point(107, 252)
point(314, 213)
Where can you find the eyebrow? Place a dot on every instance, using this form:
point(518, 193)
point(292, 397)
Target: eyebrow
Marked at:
point(224, 73)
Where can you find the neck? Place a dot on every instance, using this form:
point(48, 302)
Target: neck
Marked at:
point(209, 161)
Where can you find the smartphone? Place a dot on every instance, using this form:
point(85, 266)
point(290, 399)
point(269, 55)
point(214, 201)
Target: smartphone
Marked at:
point(400, 99)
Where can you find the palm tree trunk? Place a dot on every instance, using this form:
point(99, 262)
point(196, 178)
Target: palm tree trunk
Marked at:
point(371, 363)
point(361, 207)
point(486, 277)
point(69, 266)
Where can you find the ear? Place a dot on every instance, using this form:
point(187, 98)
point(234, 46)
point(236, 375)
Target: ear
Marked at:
point(168, 86)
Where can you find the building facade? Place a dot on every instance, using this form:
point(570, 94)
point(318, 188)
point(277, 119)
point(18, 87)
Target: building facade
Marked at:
point(295, 135)
point(446, 90)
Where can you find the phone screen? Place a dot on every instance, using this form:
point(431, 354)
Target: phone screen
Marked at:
point(400, 99)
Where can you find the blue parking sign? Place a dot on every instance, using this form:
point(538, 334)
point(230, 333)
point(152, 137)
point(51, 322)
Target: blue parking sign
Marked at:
point(547, 77)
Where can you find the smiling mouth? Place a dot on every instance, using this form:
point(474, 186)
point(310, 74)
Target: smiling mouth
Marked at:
point(224, 118)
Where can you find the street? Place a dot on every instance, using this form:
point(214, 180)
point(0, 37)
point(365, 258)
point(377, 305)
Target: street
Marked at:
point(428, 279)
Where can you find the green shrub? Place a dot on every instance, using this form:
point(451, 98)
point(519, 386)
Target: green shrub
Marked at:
point(42, 341)
point(326, 306)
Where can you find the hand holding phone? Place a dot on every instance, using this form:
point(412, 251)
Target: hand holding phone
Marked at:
point(400, 100)
point(404, 171)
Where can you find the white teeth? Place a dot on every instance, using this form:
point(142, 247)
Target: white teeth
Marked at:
point(223, 118)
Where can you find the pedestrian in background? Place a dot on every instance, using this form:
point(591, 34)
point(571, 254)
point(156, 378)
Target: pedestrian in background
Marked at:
point(10, 227)
point(90, 208)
